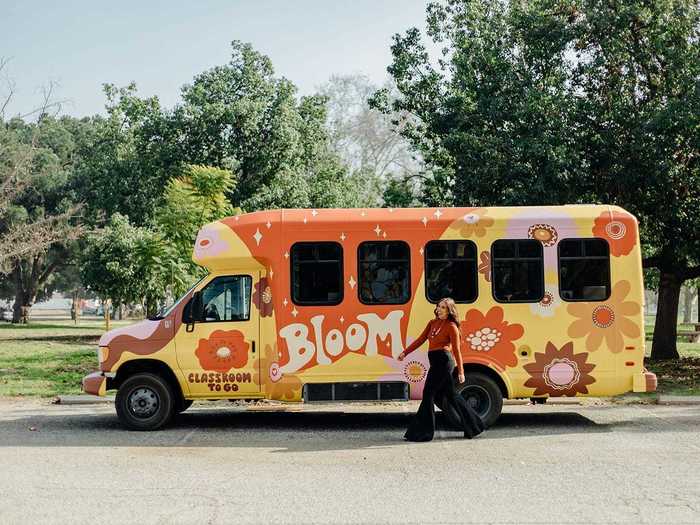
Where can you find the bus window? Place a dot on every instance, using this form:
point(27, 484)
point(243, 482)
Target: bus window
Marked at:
point(584, 269)
point(451, 271)
point(317, 273)
point(517, 270)
point(384, 272)
point(227, 298)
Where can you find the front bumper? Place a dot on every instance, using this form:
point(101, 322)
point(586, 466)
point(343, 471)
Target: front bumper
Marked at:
point(644, 382)
point(95, 384)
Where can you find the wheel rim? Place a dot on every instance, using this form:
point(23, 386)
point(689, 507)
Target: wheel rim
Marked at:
point(478, 398)
point(143, 402)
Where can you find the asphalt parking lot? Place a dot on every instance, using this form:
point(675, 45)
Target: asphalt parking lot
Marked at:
point(348, 463)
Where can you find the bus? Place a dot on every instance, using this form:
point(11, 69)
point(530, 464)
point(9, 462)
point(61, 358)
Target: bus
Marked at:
point(305, 305)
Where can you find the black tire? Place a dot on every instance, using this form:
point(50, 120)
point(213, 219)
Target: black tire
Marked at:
point(183, 405)
point(484, 396)
point(145, 402)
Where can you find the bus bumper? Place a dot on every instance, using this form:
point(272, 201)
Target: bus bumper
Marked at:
point(95, 384)
point(644, 382)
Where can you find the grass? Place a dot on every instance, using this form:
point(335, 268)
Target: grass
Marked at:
point(46, 359)
point(50, 358)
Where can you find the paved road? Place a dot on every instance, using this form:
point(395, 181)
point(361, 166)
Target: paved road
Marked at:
point(348, 463)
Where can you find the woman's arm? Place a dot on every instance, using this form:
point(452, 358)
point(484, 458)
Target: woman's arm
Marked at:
point(456, 350)
point(415, 344)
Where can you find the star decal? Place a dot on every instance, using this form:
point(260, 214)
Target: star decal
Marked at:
point(295, 312)
point(352, 282)
point(377, 230)
point(424, 220)
point(257, 236)
point(342, 236)
point(437, 213)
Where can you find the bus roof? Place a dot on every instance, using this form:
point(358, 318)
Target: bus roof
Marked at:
point(233, 242)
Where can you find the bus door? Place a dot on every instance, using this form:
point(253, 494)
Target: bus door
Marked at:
point(218, 355)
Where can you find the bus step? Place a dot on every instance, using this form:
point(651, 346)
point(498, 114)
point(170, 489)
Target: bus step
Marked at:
point(363, 391)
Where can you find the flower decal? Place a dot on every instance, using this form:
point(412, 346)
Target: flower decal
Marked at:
point(618, 229)
point(485, 265)
point(544, 233)
point(224, 350)
point(279, 386)
point(548, 304)
point(262, 297)
point(490, 335)
point(607, 321)
point(287, 388)
point(559, 372)
point(475, 222)
point(209, 243)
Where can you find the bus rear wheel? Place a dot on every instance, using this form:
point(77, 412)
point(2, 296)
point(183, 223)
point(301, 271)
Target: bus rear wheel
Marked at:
point(482, 394)
point(144, 402)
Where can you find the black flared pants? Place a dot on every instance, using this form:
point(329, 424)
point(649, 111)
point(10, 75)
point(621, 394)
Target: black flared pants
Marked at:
point(441, 385)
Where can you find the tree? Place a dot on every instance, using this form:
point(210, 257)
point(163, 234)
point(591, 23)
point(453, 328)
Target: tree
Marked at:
point(191, 201)
point(367, 139)
point(126, 264)
point(38, 210)
point(566, 101)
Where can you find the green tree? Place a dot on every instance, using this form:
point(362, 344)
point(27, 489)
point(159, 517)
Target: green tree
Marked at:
point(563, 101)
point(191, 201)
point(128, 264)
point(38, 209)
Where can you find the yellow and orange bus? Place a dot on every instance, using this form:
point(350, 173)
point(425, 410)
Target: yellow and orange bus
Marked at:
point(316, 305)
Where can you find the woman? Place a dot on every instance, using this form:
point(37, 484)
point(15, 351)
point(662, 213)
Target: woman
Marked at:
point(442, 334)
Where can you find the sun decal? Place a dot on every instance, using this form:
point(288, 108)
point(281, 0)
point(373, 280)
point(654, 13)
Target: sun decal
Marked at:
point(544, 233)
point(415, 371)
point(559, 372)
point(224, 350)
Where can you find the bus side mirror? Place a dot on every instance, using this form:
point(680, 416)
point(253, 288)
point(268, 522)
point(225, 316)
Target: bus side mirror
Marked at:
point(194, 311)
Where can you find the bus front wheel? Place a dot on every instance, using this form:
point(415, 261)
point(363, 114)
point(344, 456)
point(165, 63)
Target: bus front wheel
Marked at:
point(145, 402)
point(482, 394)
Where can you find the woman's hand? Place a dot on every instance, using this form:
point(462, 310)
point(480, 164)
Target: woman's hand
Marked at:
point(460, 377)
point(401, 356)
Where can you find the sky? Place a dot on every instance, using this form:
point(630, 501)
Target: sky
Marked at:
point(162, 45)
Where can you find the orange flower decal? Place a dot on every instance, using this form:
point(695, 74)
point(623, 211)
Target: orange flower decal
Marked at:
point(474, 223)
point(224, 350)
point(282, 387)
point(618, 229)
point(485, 265)
point(607, 320)
point(491, 336)
point(262, 297)
point(559, 372)
point(287, 388)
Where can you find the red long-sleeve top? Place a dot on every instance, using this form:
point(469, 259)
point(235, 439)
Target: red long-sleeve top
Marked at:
point(441, 334)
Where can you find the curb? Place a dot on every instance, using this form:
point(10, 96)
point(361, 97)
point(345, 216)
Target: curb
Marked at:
point(678, 400)
point(84, 399)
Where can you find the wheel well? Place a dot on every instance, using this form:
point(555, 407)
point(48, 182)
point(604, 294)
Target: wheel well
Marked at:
point(489, 372)
point(138, 366)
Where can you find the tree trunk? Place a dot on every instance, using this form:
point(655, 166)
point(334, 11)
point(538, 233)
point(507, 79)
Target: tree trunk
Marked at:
point(665, 329)
point(25, 295)
point(698, 294)
point(687, 304)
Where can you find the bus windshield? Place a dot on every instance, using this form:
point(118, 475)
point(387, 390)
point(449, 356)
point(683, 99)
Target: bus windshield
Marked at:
point(165, 311)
